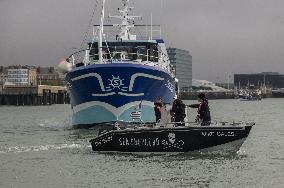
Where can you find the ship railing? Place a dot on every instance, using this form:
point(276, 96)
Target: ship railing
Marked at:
point(119, 55)
point(141, 31)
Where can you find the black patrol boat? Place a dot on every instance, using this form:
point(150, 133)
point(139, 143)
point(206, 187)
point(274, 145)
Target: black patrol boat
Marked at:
point(224, 136)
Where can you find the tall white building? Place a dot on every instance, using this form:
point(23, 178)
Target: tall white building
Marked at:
point(182, 62)
point(18, 76)
point(22, 75)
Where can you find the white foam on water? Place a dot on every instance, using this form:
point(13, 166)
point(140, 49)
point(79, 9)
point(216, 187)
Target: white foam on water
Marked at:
point(42, 125)
point(21, 149)
point(69, 146)
point(241, 152)
point(55, 123)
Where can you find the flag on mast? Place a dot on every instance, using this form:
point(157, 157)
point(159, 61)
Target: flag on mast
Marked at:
point(136, 114)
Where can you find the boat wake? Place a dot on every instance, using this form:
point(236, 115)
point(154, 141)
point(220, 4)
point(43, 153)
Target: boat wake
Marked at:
point(171, 156)
point(22, 149)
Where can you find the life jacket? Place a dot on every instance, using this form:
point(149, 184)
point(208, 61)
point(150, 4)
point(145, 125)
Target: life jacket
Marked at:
point(204, 111)
point(158, 108)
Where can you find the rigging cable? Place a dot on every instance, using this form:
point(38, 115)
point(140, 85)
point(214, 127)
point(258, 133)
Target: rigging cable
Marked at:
point(90, 23)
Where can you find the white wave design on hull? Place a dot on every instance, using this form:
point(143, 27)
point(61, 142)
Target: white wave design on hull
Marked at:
point(115, 111)
point(130, 87)
point(91, 75)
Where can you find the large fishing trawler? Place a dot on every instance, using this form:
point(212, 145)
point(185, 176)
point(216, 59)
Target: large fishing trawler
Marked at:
point(118, 78)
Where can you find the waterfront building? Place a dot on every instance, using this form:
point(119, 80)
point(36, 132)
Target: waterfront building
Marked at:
point(3, 69)
point(18, 75)
point(204, 85)
point(21, 75)
point(3, 78)
point(32, 76)
point(182, 63)
point(48, 76)
point(258, 80)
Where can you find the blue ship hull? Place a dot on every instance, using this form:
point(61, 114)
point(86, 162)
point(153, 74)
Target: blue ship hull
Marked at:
point(104, 93)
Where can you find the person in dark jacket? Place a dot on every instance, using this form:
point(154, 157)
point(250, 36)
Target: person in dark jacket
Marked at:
point(178, 112)
point(203, 110)
point(158, 108)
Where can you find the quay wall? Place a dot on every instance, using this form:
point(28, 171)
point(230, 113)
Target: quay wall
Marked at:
point(277, 94)
point(225, 95)
point(33, 95)
point(209, 95)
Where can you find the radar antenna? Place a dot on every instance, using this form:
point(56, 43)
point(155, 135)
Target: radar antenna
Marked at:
point(127, 21)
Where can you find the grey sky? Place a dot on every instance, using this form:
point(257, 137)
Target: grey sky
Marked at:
point(223, 36)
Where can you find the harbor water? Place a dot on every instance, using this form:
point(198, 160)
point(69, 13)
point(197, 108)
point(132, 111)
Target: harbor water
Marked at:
point(38, 148)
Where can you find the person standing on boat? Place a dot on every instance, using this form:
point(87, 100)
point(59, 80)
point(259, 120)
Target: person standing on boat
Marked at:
point(203, 110)
point(158, 108)
point(178, 112)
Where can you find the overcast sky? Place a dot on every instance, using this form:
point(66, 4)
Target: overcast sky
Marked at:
point(223, 36)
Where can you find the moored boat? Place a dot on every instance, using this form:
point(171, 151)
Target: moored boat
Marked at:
point(246, 95)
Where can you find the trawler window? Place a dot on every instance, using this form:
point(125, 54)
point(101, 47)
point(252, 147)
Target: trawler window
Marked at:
point(79, 64)
point(128, 51)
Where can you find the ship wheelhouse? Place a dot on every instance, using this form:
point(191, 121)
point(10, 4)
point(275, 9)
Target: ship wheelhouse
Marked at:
point(146, 52)
point(138, 51)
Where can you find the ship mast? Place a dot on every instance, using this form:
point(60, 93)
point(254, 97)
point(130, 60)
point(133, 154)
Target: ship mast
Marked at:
point(127, 21)
point(101, 33)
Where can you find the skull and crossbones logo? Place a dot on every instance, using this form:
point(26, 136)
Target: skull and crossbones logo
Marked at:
point(172, 142)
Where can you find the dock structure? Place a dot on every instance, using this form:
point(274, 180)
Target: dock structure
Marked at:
point(22, 95)
point(209, 95)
